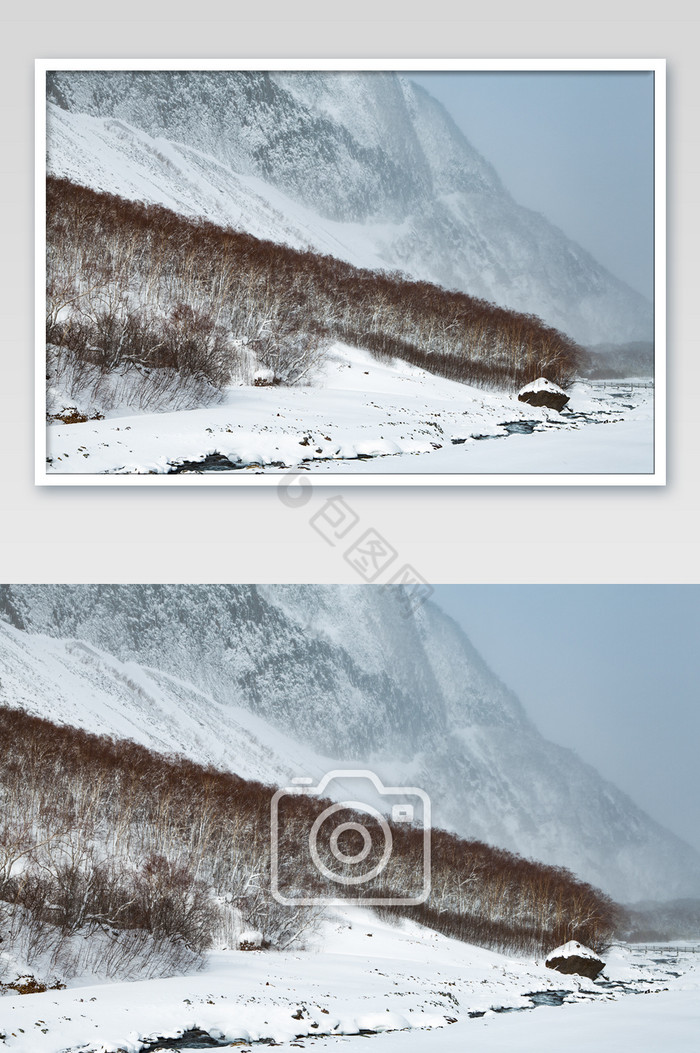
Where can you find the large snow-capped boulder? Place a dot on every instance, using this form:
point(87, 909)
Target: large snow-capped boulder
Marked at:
point(543, 392)
point(573, 957)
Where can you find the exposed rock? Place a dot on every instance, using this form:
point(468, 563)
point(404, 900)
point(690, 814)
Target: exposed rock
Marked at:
point(72, 415)
point(573, 957)
point(264, 378)
point(251, 940)
point(543, 392)
point(29, 984)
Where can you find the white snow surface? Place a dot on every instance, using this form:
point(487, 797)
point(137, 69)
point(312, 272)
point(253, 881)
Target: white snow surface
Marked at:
point(572, 949)
point(364, 415)
point(542, 384)
point(413, 988)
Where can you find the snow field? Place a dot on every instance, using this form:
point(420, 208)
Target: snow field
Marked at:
point(362, 974)
point(365, 415)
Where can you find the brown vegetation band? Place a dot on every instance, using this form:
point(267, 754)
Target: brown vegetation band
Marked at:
point(130, 284)
point(104, 833)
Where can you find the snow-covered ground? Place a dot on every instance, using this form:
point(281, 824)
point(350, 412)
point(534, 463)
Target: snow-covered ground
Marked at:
point(408, 987)
point(366, 416)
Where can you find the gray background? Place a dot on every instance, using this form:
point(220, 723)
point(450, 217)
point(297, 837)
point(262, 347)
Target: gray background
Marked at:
point(575, 146)
point(521, 534)
point(610, 671)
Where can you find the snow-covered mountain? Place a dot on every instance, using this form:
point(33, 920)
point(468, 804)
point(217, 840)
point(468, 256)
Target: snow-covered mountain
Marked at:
point(280, 681)
point(367, 167)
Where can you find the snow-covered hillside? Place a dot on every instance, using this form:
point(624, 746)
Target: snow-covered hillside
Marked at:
point(273, 681)
point(360, 414)
point(361, 977)
point(364, 166)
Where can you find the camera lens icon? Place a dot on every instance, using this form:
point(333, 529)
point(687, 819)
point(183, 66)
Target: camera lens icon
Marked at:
point(335, 847)
point(347, 858)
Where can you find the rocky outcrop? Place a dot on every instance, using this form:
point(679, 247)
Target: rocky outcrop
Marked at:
point(573, 957)
point(543, 392)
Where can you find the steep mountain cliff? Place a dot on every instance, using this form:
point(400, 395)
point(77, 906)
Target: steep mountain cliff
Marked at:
point(364, 166)
point(280, 681)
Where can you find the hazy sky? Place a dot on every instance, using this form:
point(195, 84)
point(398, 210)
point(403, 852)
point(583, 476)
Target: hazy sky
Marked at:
point(611, 671)
point(577, 147)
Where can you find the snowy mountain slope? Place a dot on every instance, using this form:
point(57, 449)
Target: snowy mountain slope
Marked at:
point(364, 166)
point(90, 689)
point(276, 680)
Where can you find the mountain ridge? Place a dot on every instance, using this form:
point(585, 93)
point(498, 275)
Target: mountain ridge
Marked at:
point(269, 680)
point(365, 166)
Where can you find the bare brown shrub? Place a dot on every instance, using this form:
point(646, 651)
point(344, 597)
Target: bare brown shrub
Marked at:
point(135, 283)
point(149, 853)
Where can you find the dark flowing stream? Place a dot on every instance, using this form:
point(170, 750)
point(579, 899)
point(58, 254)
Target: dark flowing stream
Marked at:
point(218, 462)
point(198, 1039)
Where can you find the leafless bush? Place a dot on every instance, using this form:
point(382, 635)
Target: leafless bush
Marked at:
point(292, 353)
point(282, 925)
point(209, 291)
point(126, 954)
point(170, 903)
point(73, 378)
point(154, 858)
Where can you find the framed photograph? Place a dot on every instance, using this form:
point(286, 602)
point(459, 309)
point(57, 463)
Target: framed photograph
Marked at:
point(244, 817)
point(369, 272)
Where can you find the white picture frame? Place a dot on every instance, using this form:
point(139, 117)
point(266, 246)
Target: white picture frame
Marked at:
point(655, 477)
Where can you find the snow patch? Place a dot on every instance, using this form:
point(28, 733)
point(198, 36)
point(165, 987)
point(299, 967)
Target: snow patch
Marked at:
point(572, 949)
point(542, 384)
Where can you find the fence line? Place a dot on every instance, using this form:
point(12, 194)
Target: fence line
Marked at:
point(627, 385)
point(664, 948)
